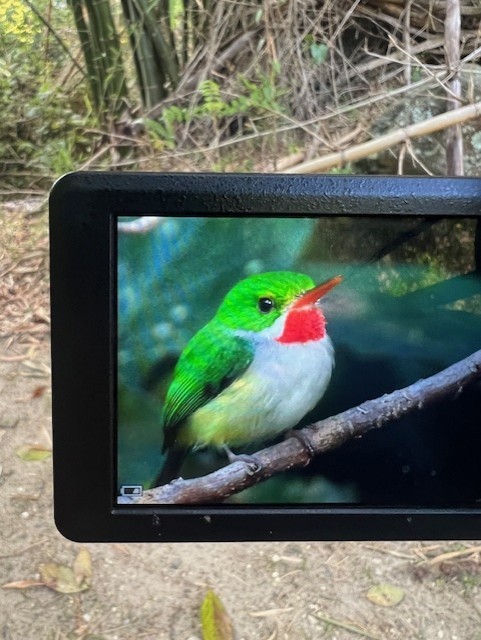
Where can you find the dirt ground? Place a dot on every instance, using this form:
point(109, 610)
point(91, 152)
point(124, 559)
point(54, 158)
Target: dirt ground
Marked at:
point(281, 591)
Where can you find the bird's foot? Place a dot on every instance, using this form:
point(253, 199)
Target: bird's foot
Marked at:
point(304, 440)
point(252, 463)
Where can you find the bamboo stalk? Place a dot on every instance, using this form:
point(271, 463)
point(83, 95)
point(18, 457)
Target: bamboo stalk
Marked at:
point(438, 123)
point(165, 57)
point(454, 135)
point(150, 77)
point(407, 43)
point(129, 16)
point(107, 54)
point(160, 13)
point(87, 49)
point(94, 31)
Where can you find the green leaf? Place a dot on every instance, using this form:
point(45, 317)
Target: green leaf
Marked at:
point(34, 453)
point(318, 52)
point(276, 67)
point(385, 595)
point(216, 624)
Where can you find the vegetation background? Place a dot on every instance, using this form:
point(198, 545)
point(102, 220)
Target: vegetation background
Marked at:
point(252, 85)
point(369, 86)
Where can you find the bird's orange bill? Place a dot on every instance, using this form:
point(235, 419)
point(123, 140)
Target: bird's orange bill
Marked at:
point(315, 294)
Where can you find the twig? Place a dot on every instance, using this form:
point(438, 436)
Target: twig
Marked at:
point(101, 152)
point(21, 551)
point(344, 625)
point(416, 159)
point(281, 164)
point(394, 58)
point(389, 552)
point(429, 6)
point(450, 555)
point(320, 437)
point(269, 612)
point(443, 82)
point(438, 123)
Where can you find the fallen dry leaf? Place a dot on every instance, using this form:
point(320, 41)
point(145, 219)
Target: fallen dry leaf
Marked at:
point(34, 453)
point(216, 624)
point(82, 567)
point(22, 584)
point(59, 577)
point(385, 595)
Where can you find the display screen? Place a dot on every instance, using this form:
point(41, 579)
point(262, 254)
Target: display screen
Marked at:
point(235, 333)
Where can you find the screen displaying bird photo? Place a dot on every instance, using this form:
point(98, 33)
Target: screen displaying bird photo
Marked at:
point(239, 339)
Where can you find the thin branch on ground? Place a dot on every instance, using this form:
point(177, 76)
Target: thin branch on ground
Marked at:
point(320, 437)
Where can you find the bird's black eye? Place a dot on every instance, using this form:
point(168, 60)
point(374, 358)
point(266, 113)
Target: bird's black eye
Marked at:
point(265, 305)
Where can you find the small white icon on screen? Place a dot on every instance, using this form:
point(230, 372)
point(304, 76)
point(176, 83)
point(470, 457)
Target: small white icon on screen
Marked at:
point(133, 490)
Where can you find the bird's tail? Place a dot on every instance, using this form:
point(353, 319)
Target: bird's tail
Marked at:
point(172, 466)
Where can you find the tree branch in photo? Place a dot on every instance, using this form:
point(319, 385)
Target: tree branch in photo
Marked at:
point(403, 237)
point(140, 225)
point(319, 437)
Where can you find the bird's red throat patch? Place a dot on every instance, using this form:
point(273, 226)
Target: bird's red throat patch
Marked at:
point(303, 325)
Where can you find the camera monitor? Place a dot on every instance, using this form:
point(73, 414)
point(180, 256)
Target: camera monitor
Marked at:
point(247, 357)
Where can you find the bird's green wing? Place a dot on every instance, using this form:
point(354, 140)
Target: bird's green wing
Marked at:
point(211, 361)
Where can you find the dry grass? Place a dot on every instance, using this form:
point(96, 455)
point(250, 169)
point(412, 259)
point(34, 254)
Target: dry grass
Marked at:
point(335, 66)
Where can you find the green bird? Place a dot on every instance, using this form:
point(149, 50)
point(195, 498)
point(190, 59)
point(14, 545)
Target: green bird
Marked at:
point(253, 371)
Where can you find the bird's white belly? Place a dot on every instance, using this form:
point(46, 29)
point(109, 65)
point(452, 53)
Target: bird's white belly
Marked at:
point(282, 384)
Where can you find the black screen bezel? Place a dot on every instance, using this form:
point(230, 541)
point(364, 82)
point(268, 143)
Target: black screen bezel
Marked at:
point(83, 214)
